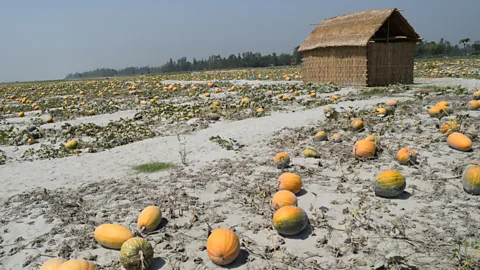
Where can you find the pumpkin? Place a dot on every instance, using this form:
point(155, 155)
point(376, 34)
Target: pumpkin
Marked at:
point(391, 102)
point(313, 94)
point(373, 139)
point(337, 137)
point(281, 160)
point(143, 102)
point(310, 153)
point(471, 178)
point(449, 127)
point(364, 149)
point(357, 124)
point(207, 94)
point(443, 104)
point(136, 254)
point(290, 181)
point(149, 219)
point(31, 140)
point(321, 136)
point(474, 104)
point(438, 111)
point(406, 156)
point(218, 90)
point(77, 265)
point(389, 184)
point(71, 144)
point(290, 220)
point(112, 235)
point(216, 103)
point(223, 246)
point(52, 264)
point(21, 114)
point(260, 110)
point(283, 198)
point(335, 97)
point(476, 95)
point(244, 101)
point(459, 142)
point(210, 84)
point(381, 111)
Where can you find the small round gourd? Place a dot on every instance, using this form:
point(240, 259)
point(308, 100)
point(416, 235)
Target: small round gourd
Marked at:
point(136, 254)
point(283, 198)
point(389, 184)
point(149, 219)
point(406, 156)
point(357, 124)
point(77, 264)
point(290, 181)
point(112, 235)
point(310, 153)
point(471, 179)
point(223, 246)
point(321, 136)
point(52, 264)
point(460, 142)
point(290, 220)
point(364, 149)
point(337, 137)
point(71, 144)
point(281, 160)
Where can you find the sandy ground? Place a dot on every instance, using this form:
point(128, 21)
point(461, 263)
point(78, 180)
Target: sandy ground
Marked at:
point(51, 206)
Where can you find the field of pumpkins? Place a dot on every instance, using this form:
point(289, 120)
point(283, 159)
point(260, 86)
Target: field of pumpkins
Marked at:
point(275, 174)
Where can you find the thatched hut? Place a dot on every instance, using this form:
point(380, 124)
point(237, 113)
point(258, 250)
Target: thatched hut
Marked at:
point(369, 48)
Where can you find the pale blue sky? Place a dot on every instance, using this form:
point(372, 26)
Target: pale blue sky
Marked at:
point(48, 39)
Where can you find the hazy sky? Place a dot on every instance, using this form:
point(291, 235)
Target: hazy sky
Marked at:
point(48, 39)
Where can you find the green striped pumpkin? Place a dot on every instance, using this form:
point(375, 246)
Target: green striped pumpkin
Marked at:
point(136, 254)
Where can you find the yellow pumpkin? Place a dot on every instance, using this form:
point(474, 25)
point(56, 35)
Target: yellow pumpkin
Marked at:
point(290, 220)
point(71, 144)
point(260, 110)
point(223, 246)
point(471, 178)
point(207, 94)
point(364, 149)
point(321, 136)
point(210, 84)
point(381, 111)
point(476, 95)
point(21, 114)
point(313, 94)
point(449, 127)
point(143, 102)
point(281, 160)
point(459, 142)
point(283, 198)
point(112, 235)
point(216, 103)
point(357, 124)
point(290, 181)
point(52, 264)
point(310, 153)
point(389, 184)
point(474, 104)
point(244, 101)
point(31, 140)
point(77, 265)
point(406, 156)
point(149, 219)
point(335, 97)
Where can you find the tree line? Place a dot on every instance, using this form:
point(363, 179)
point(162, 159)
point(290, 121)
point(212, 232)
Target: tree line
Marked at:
point(251, 60)
point(244, 60)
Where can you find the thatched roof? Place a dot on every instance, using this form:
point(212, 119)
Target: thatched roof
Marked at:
point(357, 29)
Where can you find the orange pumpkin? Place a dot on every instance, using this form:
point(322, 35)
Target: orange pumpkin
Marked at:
point(373, 139)
point(459, 142)
point(77, 265)
point(476, 95)
point(449, 127)
point(337, 137)
point(290, 181)
point(31, 140)
point(290, 220)
point(471, 178)
point(149, 219)
point(391, 102)
point(335, 97)
point(210, 84)
point(283, 198)
point(438, 111)
point(52, 264)
point(281, 160)
point(389, 184)
point(313, 94)
point(364, 149)
point(21, 114)
point(112, 235)
point(260, 110)
point(357, 124)
point(474, 104)
point(207, 94)
point(406, 156)
point(321, 136)
point(223, 246)
point(381, 111)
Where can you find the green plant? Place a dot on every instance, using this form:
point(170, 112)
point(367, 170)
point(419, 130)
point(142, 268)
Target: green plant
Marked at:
point(466, 252)
point(182, 151)
point(153, 167)
point(230, 144)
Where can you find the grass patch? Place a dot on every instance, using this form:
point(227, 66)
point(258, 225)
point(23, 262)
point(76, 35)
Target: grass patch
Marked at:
point(153, 167)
